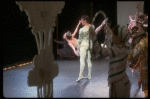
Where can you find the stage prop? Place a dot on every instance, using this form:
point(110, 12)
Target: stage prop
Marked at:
point(42, 16)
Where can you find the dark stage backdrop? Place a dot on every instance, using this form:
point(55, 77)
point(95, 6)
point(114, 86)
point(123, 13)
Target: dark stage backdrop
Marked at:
point(19, 42)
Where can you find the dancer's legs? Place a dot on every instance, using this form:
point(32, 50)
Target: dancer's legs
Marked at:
point(83, 53)
point(89, 64)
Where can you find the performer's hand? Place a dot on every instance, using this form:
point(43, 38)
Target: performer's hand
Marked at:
point(130, 18)
point(131, 25)
point(55, 40)
point(79, 22)
point(145, 25)
point(64, 36)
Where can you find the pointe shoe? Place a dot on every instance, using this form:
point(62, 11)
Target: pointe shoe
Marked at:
point(79, 78)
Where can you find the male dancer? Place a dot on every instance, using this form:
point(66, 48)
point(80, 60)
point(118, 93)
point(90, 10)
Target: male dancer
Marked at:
point(85, 47)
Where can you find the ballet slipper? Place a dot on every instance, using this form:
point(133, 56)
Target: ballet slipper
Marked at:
point(81, 77)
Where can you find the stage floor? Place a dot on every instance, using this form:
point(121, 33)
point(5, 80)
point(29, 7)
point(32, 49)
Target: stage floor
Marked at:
point(65, 85)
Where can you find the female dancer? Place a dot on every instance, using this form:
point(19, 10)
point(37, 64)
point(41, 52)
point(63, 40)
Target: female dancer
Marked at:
point(72, 41)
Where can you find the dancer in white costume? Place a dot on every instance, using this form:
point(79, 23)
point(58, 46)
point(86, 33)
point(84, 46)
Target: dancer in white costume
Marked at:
point(85, 46)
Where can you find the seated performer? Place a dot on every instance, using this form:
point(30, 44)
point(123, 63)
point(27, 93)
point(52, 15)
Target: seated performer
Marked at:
point(117, 78)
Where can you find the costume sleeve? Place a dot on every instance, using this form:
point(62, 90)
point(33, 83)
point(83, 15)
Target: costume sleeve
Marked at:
point(140, 47)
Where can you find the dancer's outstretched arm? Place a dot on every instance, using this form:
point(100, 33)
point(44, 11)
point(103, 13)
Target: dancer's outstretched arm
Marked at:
point(99, 28)
point(76, 30)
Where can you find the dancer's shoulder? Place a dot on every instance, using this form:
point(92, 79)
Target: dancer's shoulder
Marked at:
point(92, 26)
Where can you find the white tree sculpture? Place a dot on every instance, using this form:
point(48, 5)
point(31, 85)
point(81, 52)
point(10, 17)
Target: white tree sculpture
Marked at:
point(42, 16)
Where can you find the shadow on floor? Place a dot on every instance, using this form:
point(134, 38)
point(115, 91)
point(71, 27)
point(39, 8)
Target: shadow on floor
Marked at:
point(75, 90)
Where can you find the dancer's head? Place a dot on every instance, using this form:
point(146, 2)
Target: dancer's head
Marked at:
point(143, 20)
point(68, 35)
point(85, 19)
point(135, 25)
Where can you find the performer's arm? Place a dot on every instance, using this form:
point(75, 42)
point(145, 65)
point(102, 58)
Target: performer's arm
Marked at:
point(55, 41)
point(76, 30)
point(139, 47)
point(99, 28)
